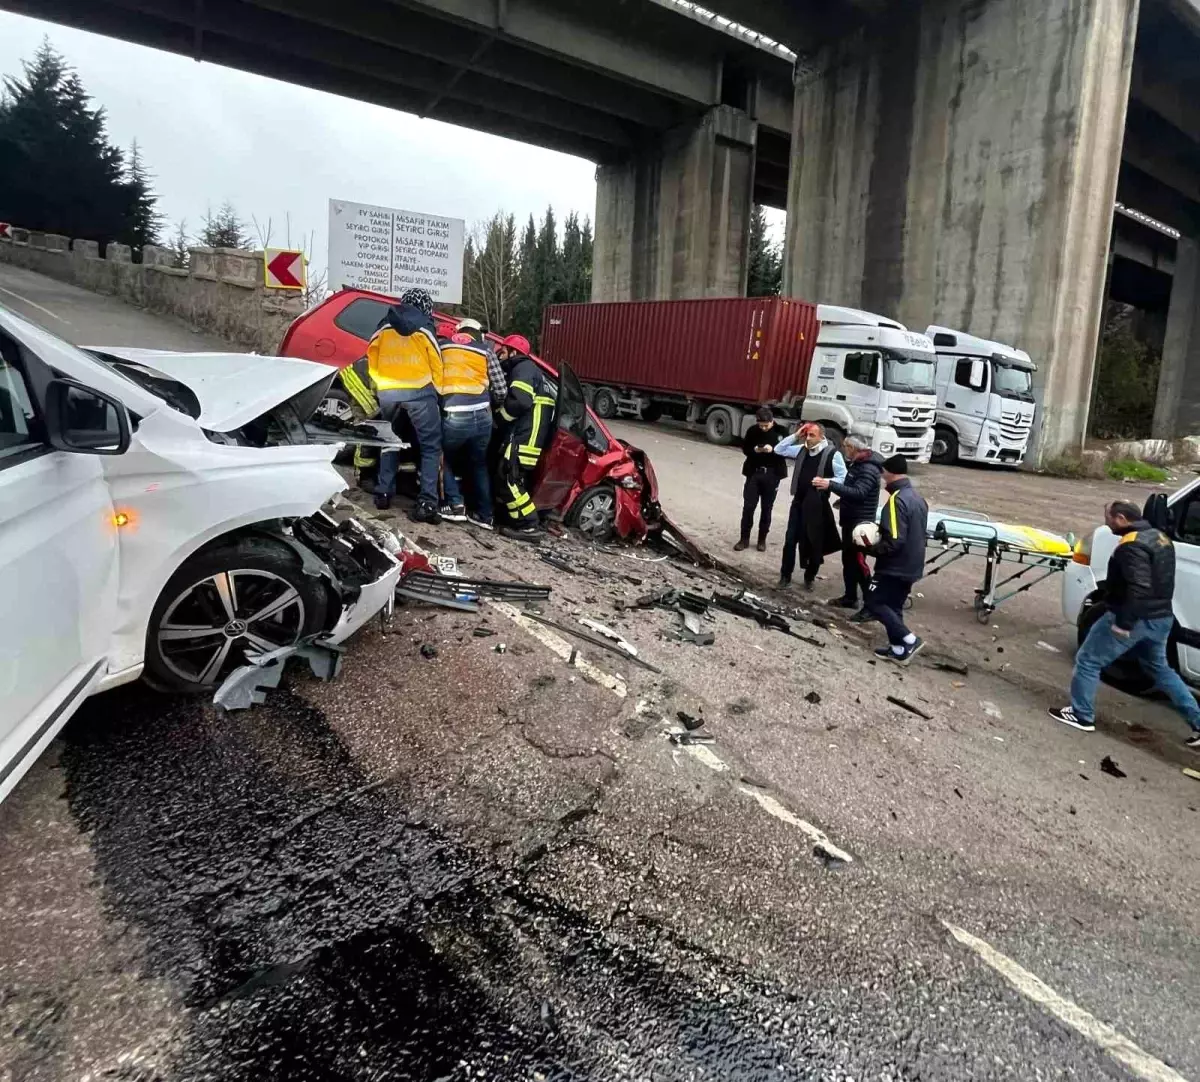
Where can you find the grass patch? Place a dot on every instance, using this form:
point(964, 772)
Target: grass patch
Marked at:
point(1129, 469)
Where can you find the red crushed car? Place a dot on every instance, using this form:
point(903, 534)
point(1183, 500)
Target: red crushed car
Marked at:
point(597, 482)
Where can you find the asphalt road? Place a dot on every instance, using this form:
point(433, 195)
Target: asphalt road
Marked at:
point(91, 319)
point(497, 864)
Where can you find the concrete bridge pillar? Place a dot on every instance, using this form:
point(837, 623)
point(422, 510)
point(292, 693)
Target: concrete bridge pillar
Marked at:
point(1177, 407)
point(673, 222)
point(957, 163)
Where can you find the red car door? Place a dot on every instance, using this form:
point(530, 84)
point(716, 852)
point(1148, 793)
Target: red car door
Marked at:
point(563, 461)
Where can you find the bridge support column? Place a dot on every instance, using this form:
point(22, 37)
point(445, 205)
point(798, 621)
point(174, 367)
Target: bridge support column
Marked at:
point(674, 221)
point(1177, 407)
point(958, 164)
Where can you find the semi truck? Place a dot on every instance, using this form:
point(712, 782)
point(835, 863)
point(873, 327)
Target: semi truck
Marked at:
point(985, 403)
point(711, 363)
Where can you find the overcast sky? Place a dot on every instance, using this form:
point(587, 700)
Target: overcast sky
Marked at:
point(210, 133)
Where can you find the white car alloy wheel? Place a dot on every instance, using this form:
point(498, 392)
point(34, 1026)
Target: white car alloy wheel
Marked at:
point(217, 621)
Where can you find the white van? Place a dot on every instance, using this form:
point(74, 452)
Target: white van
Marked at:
point(985, 403)
point(160, 515)
point(1082, 592)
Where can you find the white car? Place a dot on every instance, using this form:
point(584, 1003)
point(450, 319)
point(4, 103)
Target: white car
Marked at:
point(1179, 516)
point(160, 515)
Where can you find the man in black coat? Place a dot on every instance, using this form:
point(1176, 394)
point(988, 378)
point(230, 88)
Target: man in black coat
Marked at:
point(763, 470)
point(1139, 589)
point(811, 528)
point(859, 496)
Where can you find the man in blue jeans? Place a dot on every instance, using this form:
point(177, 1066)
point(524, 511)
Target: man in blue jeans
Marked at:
point(404, 362)
point(472, 380)
point(1138, 589)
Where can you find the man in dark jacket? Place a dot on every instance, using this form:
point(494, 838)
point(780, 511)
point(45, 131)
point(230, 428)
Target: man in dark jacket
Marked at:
point(859, 496)
point(1138, 591)
point(811, 530)
point(763, 470)
point(899, 560)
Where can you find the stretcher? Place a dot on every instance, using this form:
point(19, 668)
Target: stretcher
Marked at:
point(958, 534)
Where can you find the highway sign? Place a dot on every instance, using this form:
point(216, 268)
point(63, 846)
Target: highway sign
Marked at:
point(390, 250)
point(283, 268)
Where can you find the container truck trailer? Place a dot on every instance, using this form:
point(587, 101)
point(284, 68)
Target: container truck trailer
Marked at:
point(985, 403)
point(711, 363)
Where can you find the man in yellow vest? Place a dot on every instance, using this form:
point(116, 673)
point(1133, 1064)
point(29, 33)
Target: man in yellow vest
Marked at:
point(405, 367)
point(471, 380)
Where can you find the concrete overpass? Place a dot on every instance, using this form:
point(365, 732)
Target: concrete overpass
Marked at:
point(955, 160)
point(624, 85)
point(961, 159)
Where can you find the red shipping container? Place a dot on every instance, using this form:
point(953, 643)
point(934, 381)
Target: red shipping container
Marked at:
point(736, 349)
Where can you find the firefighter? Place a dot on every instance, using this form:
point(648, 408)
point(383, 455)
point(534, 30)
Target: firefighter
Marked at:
point(471, 375)
point(405, 366)
point(525, 422)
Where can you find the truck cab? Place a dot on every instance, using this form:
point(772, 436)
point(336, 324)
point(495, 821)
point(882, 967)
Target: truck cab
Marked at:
point(874, 378)
point(985, 403)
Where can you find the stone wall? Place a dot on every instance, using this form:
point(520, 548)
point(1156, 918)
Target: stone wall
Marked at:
point(221, 293)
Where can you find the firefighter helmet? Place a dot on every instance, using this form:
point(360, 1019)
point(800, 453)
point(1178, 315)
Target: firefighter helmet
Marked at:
point(518, 342)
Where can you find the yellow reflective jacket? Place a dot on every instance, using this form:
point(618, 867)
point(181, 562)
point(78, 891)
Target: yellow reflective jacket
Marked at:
point(465, 371)
point(403, 354)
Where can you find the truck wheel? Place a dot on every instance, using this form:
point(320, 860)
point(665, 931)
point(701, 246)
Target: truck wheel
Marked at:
point(248, 594)
point(718, 427)
point(604, 402)
point(594, 514)
point(945, 447)
point(1125, 673)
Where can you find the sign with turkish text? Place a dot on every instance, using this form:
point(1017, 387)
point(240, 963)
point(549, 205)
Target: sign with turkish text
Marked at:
point(283, 268)
point(389, 251)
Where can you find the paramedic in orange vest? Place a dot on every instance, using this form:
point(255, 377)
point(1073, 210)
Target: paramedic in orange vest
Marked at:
point(472, 380)
point(405, 365)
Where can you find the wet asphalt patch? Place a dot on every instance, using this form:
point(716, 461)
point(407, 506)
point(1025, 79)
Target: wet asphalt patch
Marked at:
point(315, 928)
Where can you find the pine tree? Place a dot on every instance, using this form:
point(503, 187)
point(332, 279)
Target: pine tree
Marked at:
point(583, 291)
point(765, 271)
point(145, 219)
point(549, 266)
point(179, 246)
point(224, 229)
point(58, 171)
point(526, 313)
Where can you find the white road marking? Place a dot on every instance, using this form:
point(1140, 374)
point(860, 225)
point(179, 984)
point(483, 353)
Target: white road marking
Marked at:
point(772, 807)
point(556, 644)
point(709, 758)
point(34, 304)
point(1121, 1048)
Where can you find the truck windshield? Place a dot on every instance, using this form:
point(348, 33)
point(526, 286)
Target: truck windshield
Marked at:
point(905, 370)
point(1009, 381)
